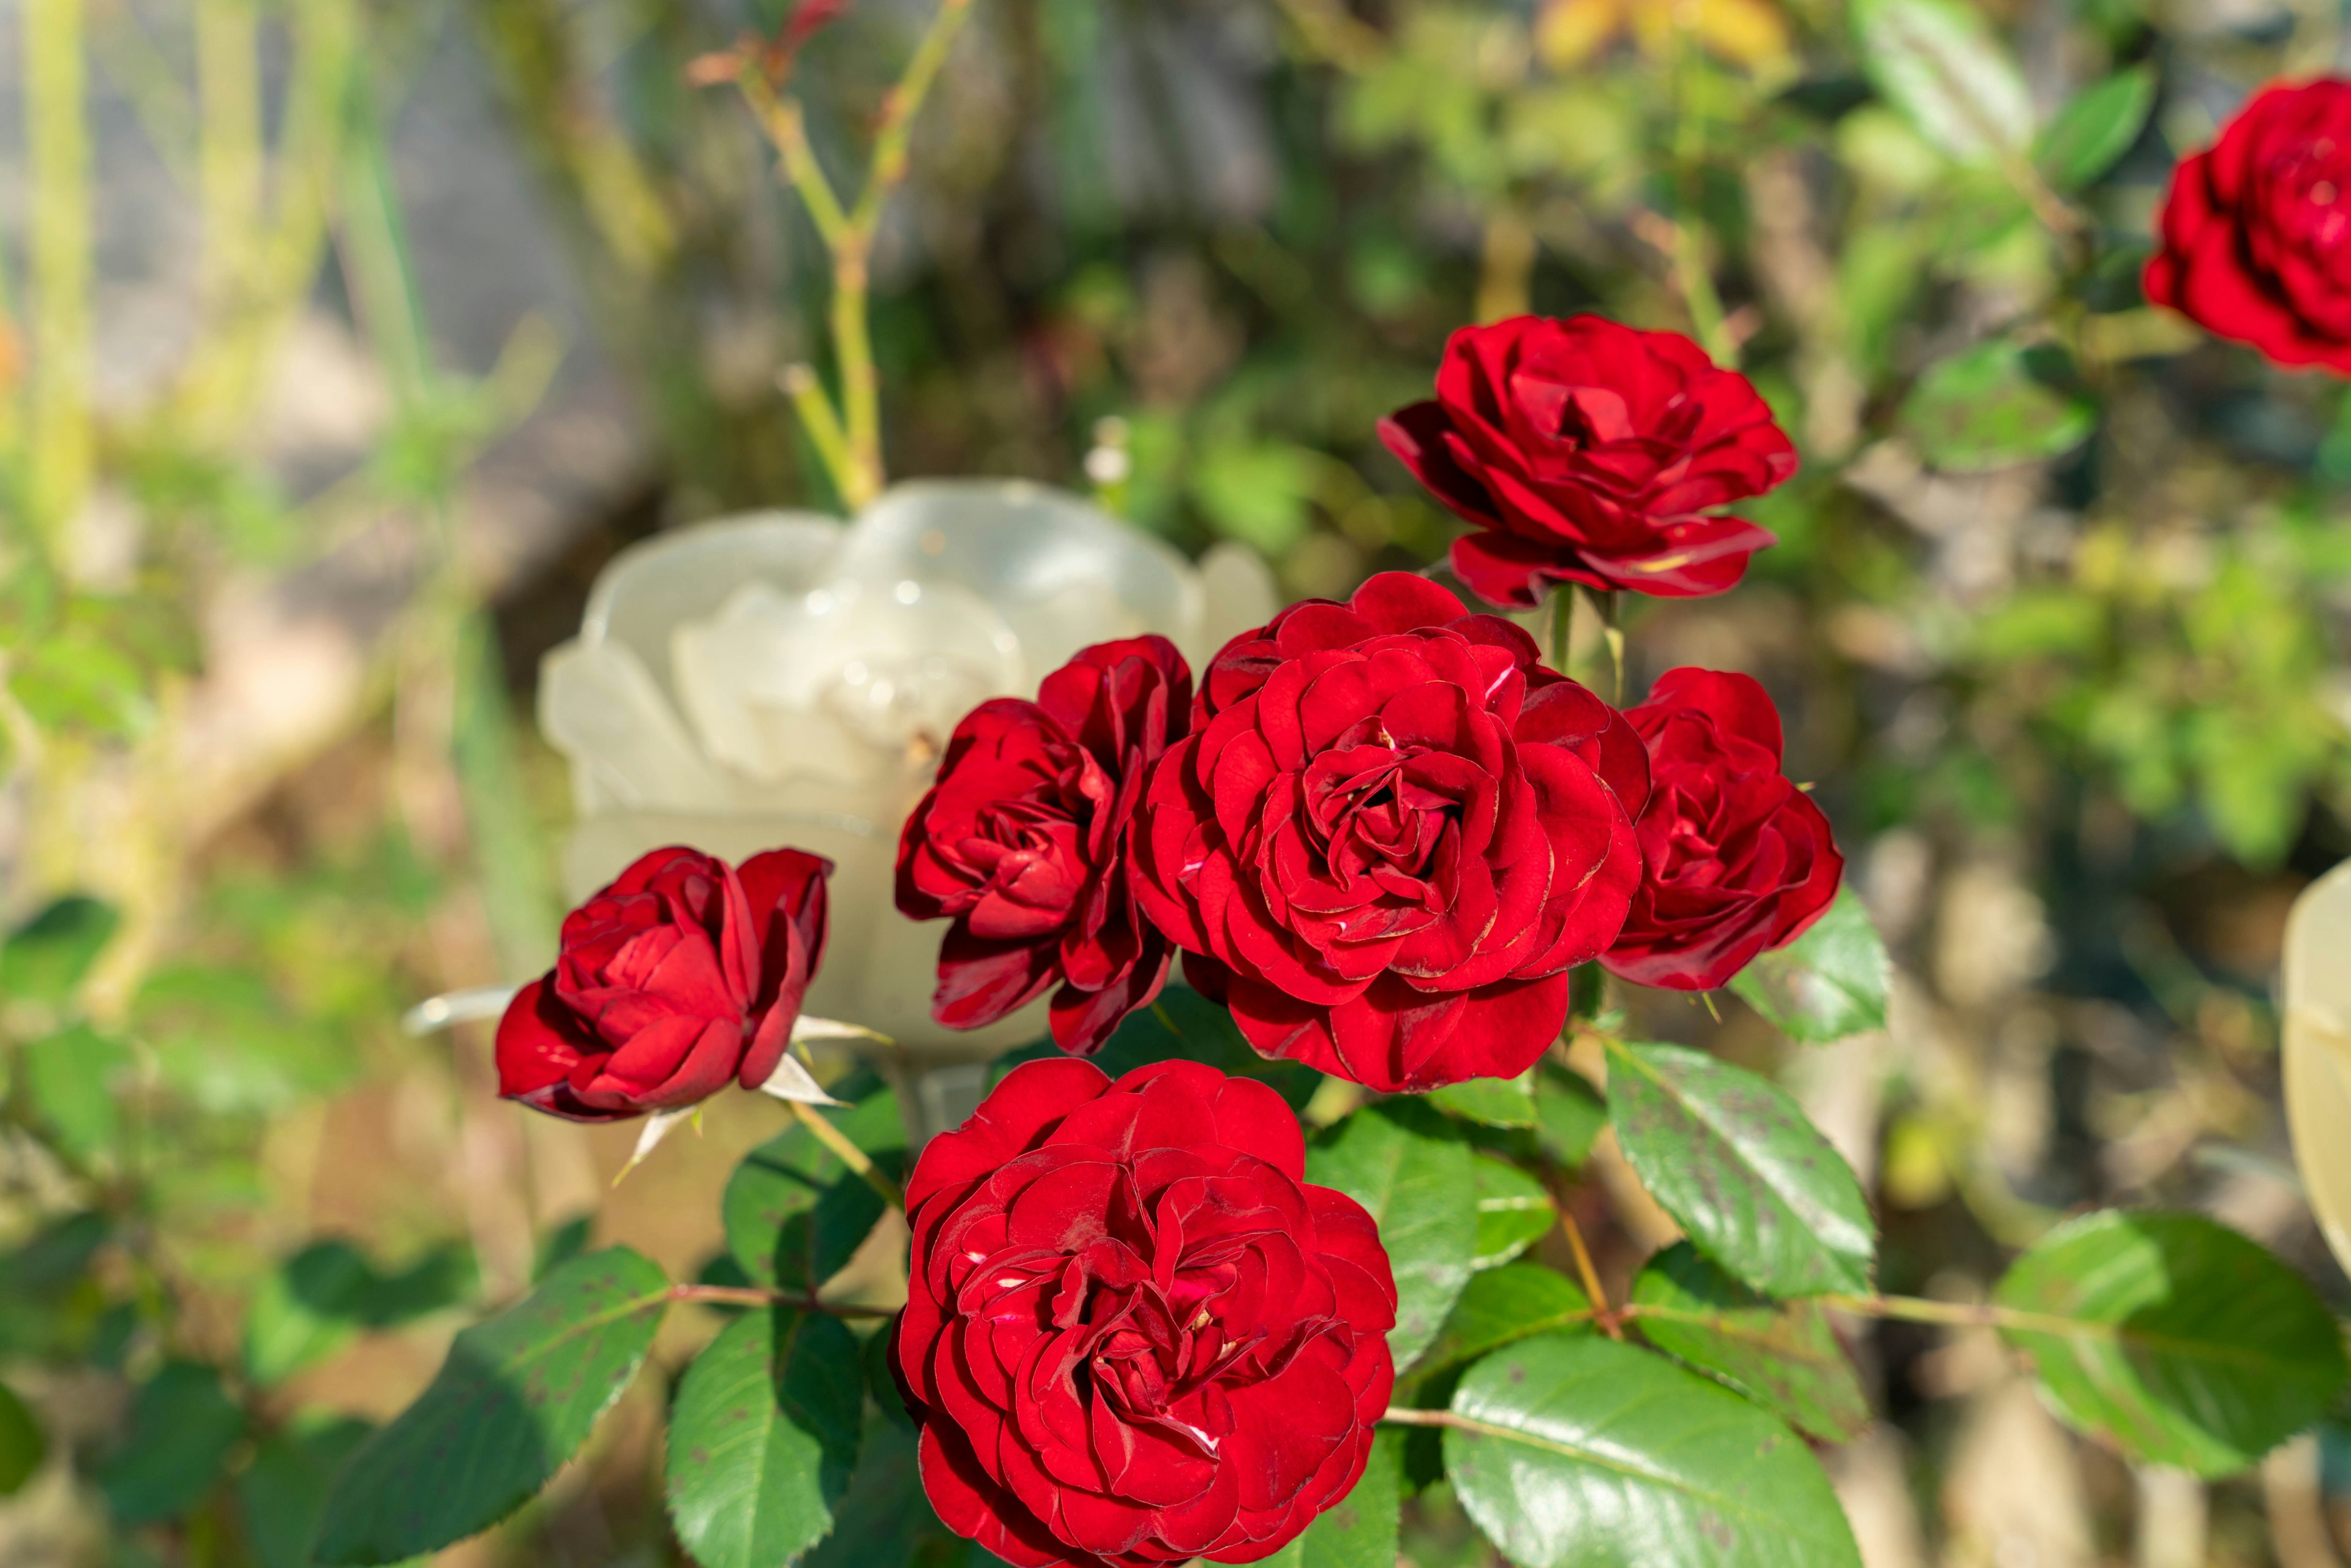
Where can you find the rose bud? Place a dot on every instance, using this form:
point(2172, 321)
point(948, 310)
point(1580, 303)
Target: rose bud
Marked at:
point(683, 973)
point(1023, 841)
point(1587, 452)
point(1133, 1333)
point(1738, 859)
point(1390, 835)
point(2254, 230)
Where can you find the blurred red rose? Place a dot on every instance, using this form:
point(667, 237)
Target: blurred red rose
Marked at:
point(2254, 231)
point(1134, 1335)
point(1390, 835)
point(1739, 860)
point(1589, 451)
point(1023, 841)
point(681, 974)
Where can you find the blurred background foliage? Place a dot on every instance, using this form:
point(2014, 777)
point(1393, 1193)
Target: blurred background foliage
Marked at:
point(341, 340)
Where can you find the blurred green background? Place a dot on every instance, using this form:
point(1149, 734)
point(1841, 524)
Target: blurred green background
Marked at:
point(341, 343)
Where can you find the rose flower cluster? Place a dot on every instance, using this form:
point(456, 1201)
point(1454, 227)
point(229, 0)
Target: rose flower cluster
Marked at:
point(1382, 833)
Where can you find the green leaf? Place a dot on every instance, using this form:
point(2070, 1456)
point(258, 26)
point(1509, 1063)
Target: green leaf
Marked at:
point(2096, 128)
point(305, 1311)
point(1514, 1211)
point(1939, 63)
point(794, 1213)
point(1182, 1025)
point(48, 957)
point(894, 1522)
point(1731, 1157)
point(1490, 1102)
point(1360, 1530)
point(1403, 1164)
point(72, 1077)
point(319, 1300)
point(1781, 1354)
point(1581, 1452)
point(518, 1394)
point(1568, 1114)
point(1501, 1306)
point(1996, 405)
point(284, 1491)
point(2174, 1337)
point(183, 1425)
point(1828, 983)
point(763, 1438)
point(22, 1445)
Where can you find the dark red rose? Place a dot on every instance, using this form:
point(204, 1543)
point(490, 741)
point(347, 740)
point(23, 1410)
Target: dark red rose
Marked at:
point(682, 974)
point(1134, 1335)
point(1023, 841)
point(1390, 835)
point(1738, 859)
point(1589, 451)
point(2254, 231)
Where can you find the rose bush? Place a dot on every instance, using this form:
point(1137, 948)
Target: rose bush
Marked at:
point(1023, 841)
point(1737, 859)
point(681, 974)
point(1134, 1333)
point(2256, 231)
point(1390, 835)
point(1584, 451)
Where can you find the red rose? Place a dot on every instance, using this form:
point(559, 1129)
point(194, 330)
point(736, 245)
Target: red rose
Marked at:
point(1023, 841)
point(1738, 859)
point(1589, 451)
point(2255, 227)
point(1134, 1334)
point(1390, 835)
point(682, 974)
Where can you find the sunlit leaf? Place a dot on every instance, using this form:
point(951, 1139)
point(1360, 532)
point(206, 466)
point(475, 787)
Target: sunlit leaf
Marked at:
point(1731, 1157)
point(1828, 983)
point(518, 1394)
point(1782, 1354)
point(1403, 1164)
point(2173, 1336)
point(1580, 1452)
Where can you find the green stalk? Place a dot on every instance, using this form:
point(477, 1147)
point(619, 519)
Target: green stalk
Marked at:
point(229, 169)
point(56, 136)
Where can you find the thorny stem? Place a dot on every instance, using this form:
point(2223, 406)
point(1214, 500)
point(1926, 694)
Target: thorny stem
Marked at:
point(752, 1296)
point(848, 1153)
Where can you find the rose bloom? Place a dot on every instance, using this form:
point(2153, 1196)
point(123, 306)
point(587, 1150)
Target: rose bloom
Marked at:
point(1740, 859)
point(1023, 841)
point(1390, 835)
point(2254, 230)
point(683, 973)
point(1134, 1335)
point(1588, 451)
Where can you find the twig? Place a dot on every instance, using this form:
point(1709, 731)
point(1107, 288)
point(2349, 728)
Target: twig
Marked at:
point(1601, 1311)
point(848, 1153)
point(752, 1296)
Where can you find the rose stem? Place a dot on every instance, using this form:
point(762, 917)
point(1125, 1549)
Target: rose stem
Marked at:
point(849, 1154)
point(1590, 1275)
point(1609, 602)
point(752, 1296)
point(1562, 624)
